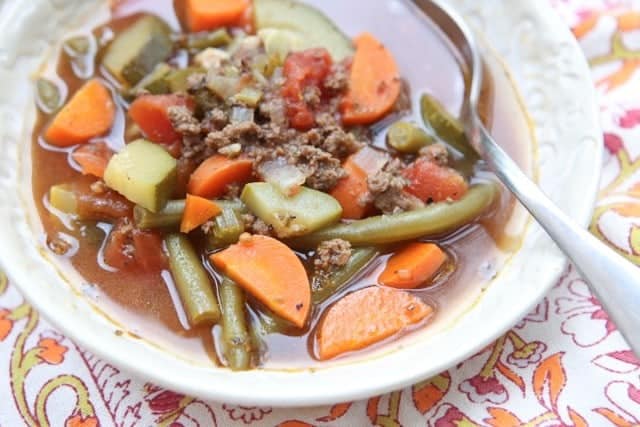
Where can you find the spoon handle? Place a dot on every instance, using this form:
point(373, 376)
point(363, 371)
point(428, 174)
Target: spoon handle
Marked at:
point(613, 279)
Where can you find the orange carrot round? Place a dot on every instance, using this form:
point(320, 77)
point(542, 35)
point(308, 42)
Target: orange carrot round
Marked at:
point(89, 113)
point(271, 272)
point(197, 211)
point(212, 177)
point(413, 266)
point(374, 84)
point(205, 15)
point(366, 317)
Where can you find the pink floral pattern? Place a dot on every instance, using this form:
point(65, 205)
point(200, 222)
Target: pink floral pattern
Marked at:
point(563, 365)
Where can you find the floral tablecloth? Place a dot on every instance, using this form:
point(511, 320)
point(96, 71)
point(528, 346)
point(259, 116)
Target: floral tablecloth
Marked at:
point(564, 364)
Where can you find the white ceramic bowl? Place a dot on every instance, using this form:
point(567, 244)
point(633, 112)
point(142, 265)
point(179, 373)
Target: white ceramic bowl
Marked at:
point(554, 80)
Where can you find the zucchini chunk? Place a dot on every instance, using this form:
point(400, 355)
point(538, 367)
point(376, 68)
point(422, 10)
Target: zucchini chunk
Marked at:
point(304, 213)
point(144, 173)
point(312, 27)
point(134, 53)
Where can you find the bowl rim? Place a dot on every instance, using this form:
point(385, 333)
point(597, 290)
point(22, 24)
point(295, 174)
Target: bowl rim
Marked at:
point(257, 387)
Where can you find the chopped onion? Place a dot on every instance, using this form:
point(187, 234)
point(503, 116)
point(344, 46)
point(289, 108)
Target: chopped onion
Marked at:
point(371, 160)
point(224, 87)
point(241, 114)
point(285, 177)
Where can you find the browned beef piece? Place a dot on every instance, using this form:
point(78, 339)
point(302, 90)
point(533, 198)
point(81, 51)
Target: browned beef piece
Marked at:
point(332, 255)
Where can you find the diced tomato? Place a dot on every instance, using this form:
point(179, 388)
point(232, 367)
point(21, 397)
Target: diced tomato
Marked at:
point(117, 251)
point(431, 182)
point(149, 254)
point(93, 158)
point(107, 205)
point(302, 70)
point(150, 113)
point(129, 248)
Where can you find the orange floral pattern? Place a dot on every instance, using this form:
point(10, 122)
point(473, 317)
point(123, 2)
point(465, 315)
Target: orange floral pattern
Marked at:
point(563, 365)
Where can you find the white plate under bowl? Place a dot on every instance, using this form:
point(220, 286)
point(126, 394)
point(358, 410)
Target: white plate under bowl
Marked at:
point(554, 80)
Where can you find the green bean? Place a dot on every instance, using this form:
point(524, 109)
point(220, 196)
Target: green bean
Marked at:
point(408, 138)
point(433, 220)
point(48, 95)
point(201, 41)
point(446, 126)
point(154, 82)
point(178, 80)
point(192, 281)
point(171, 214)
point(324, 286)
point(235, 334)
point(78, 46)
point(228, 226)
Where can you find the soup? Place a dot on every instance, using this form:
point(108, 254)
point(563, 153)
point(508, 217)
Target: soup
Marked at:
point(259, 196)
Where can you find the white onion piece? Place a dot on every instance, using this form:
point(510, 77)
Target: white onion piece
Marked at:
point(371, 160)
point(285, 177)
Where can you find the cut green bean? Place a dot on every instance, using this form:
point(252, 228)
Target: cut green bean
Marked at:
point(235, 334)
point(446, 126)
point(192, 281)
point(154, 82)
point(228, 226)
point(48, 95)
point(201, 41)
point(327, 285)
point(408, 138)
point(178, 80)
point(433, 220)
point(171, 215)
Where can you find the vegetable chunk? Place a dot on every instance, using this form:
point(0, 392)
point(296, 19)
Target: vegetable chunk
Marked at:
point(144, 173)
point(312, 28)
point(205, 15)
point(304, 213)
point(134, 53)
point(197, 211)
point(413, 266)
point(90, 113)
point(272, 273)
point(216, 173)
point(366, 317)
point(375, 83)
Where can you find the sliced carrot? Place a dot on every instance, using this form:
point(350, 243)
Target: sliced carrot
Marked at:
point(93, 158)
point(351, 191)
point(150, 113)
point(366, 317)
point(271, 272)
point(197, 211)
point(431, 182)
point(205, 15)
point(89, 113)
point(374, 84)
point(413, 266)
point(212, 177)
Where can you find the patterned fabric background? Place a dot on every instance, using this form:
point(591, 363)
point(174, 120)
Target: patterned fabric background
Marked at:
point(563, 365)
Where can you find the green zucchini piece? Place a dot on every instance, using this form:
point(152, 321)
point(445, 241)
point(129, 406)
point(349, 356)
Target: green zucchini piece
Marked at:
point(134, 53)
point(144, 173)
point(304, 213)
point(312, 27)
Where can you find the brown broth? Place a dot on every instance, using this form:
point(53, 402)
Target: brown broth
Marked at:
point(147, 303)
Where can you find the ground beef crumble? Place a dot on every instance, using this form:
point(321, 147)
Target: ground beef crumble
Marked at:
point(386, 190)
point(255, 225)
point(332, 255)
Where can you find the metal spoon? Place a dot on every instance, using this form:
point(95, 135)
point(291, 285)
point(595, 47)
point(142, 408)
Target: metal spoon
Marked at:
point(613, 279)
